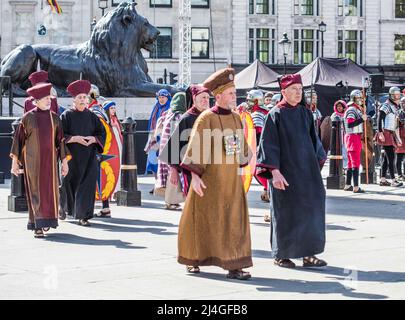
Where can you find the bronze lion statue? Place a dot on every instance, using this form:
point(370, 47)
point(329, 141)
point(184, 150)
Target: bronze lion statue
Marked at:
point(111, 59)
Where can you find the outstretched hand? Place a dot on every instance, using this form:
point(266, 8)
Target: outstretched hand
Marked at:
point(197, 184)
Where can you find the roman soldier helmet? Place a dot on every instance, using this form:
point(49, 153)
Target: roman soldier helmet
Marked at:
point(255, 97)
point(309, 96)
point(276, 99)
point(402, 103)
point(269, 95)
point(356, 96)
point(394, 90)
point(94, 92)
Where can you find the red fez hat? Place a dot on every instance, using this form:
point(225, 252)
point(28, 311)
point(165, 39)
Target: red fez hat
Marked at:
point(38, 77)
point(40, 91)
point(289, 80)
point(196, 90)
point(79, 86)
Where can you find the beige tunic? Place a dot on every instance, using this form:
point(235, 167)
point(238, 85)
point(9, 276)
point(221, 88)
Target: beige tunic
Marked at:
point(214, 229)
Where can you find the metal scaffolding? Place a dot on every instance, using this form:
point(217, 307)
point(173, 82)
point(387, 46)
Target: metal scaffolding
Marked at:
point(185, 42)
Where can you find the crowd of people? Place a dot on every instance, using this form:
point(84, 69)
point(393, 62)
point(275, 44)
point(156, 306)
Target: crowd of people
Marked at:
point(60, 152)
point(197, 155)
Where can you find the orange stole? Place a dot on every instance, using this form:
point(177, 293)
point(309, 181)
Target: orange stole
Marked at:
point(250, 136)
point(110, 169)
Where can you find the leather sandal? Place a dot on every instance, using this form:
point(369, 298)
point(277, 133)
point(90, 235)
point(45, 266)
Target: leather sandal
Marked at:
point(238, 274)
point(313, 262)
point(192, 269)
point(84, 223)
point(359, 190)
point(39, 233)
point(284, 263)
point(265, 196)
point(104, 213)
point(172, 206)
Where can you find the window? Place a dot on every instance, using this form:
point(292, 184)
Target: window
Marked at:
point(160, 3)
point(163, 45)
point(200, 43)
point(261, 45)
point(306, 7)
point(115, 3)
point(200, 3)
point(261, 7)
point(350, 8)
point(350, 45)
point(399, 49)
point(399, 8)
point(306, 46)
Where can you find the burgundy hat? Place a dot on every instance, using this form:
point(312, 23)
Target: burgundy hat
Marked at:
point(196, 90)
point(79, 86)
point(40, 91)
point(38, 77)
point(289, 80)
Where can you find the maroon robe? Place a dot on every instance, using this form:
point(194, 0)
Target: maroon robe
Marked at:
point(38, 145)
point(29, 105)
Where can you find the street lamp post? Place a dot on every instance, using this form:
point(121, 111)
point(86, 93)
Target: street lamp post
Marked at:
point(286, 48)
point(322, 29)
point(102, 4)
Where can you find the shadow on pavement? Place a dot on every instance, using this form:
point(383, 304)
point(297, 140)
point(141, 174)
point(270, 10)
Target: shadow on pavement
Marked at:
point(386, 209)
point(358, 275)
point(296, 286)
point(74, 239)
point(116, 228)
point(134, 222)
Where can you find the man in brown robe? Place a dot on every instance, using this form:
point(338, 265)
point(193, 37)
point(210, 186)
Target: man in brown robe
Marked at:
point(214, 228)
point(38, 145)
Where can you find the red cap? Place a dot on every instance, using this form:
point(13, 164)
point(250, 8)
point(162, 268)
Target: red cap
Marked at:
point(196, 90)
point(38, 77)
point(79, 86)
point(290, 79)
point(40, 91)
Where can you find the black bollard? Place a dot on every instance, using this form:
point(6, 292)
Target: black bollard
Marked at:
point(17, 201)
point(335, 180)
point(129, 195)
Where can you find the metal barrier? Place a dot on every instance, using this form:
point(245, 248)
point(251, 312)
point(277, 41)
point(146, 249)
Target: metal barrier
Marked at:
point(5, 87)
point(6, 91)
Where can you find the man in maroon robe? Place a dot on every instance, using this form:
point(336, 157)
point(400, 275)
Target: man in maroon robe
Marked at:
point(39, 77)
point(38, 145)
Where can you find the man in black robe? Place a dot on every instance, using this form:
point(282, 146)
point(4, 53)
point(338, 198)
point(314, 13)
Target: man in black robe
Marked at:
point(290, 156)
point(176, 146)
point(85, 136)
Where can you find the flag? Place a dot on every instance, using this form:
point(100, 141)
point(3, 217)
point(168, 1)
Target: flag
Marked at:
point(55, 6)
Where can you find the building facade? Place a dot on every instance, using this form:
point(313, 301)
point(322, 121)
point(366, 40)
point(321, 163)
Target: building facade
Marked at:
point(370, 32)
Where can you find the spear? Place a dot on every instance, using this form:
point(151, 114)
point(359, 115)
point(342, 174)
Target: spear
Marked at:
point(365, 128)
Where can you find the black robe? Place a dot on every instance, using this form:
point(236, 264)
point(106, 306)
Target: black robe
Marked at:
point(289, 143)
point(79, 186)
point(176, 146)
